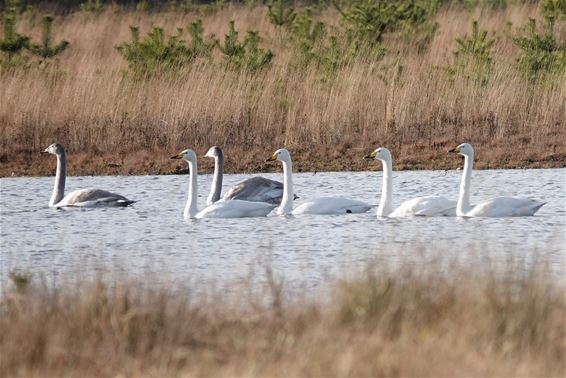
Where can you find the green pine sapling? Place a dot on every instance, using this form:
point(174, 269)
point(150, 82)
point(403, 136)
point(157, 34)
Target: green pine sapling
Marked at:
point(46, 49)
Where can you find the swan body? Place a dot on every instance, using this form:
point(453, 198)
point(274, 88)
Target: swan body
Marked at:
point(235, 209)
point(496, 207)
point(90, 197)
point(255, 189)
point(332, 205)
point(221, 208)
point(429, 206)
point(322, 205)
point(505, 207)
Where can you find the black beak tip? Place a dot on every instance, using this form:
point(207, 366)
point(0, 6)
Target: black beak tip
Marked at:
point(173, 157)
point(367, 157)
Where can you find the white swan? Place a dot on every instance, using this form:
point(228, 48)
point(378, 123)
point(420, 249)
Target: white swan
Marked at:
point(255, 189)
point(220, 209)
point(496, 207)
point(79, 198)
point(428, 206)
point(323, 205)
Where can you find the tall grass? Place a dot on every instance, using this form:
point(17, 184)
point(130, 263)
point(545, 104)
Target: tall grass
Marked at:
point(88, 104)
point(403, 322)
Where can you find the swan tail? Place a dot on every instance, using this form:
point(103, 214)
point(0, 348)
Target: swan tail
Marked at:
point(533, 209)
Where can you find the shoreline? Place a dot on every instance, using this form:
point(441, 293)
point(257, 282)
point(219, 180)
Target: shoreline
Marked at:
point(156, 162)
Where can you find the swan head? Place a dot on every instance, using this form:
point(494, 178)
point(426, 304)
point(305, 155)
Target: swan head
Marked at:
point(214, 152)
point(187, 155)
point(54, 149)
point(281, 155)
point(381, 153)
point(465, 149)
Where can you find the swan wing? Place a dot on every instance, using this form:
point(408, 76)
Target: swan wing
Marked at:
point(332, 205)
point(429, 206)
point(256, 189)
point(236, 209)
point(506, 207)
point(92, 197)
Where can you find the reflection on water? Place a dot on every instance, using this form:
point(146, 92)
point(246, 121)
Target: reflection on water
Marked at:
point(152, 237)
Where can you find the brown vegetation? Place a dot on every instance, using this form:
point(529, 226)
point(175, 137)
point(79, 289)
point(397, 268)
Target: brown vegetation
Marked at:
point(101, 116)
point(407, 322)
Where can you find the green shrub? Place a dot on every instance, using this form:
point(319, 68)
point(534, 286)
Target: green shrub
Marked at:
point(94, 6)
point(369, 20)
point(21, 281)
point(158, 54)
point(12, 43)
point(474, 55)
point(46, 49)
point(313, 45)
point(281, 13)
point(305, 37)
point(553, 9)
point(541, 53)
point(154, 54)
point(199, 45)
point(244, 55)
point(143, 6)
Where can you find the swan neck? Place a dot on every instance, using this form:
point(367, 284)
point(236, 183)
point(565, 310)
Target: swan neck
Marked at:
point(60, 177)
point(385, 205)
point(216, 189)
point(463, 205)
point(191, 206)
point(287, 201)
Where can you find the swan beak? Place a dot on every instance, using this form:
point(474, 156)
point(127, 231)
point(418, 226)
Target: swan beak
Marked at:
point(272, 158)
point(455, 149)
point(44, 151)
point(370, 156)
point(178, 156)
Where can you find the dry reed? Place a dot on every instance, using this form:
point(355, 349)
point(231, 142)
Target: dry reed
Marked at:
point(403, 322)
point(101, 116)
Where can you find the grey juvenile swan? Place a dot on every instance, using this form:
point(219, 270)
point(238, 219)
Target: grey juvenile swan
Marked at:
point(255, 189)
point(79, 198)
point(219, 209)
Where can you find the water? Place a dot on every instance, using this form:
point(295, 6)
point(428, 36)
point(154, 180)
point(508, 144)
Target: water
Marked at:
point(151, 237)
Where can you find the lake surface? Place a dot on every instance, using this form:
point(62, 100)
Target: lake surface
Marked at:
point(152, 238)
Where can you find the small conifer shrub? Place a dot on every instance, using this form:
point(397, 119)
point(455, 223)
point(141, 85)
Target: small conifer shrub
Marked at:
point(46, 49)
point(157, 53)
point(244, 55)
point(553, 9)
point(474, 54)
point(540, 53)
point(281, 13)
point(13, 42)
point(94, 6)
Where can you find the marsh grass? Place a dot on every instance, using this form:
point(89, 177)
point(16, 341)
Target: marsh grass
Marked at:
point(405, 100)
point(407, 321)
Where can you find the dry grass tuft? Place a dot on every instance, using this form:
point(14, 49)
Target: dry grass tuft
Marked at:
point(386, 323)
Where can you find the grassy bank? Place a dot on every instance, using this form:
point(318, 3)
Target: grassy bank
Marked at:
point(407, 322)
point(413, 95)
